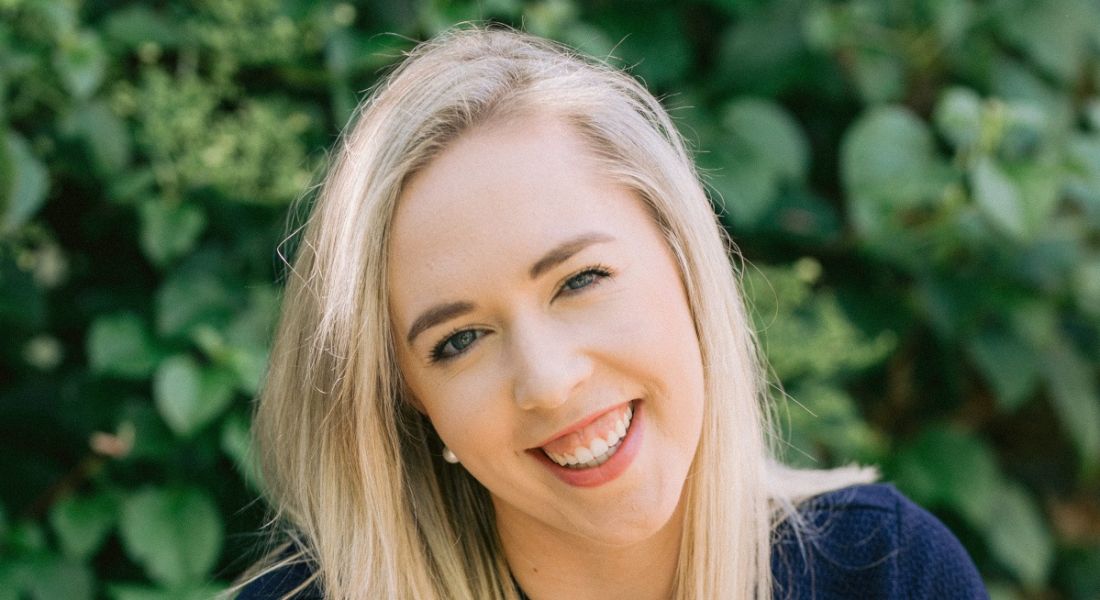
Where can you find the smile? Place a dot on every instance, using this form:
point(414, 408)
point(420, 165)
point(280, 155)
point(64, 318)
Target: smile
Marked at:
point(597, 452)
point(593, 445)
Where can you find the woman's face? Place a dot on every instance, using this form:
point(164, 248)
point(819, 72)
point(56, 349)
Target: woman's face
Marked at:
point(540, 319)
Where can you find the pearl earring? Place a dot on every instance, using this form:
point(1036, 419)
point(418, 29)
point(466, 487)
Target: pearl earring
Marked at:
point(449, 456)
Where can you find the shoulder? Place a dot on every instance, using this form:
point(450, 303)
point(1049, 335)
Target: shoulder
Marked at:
point(277, 584)
point(870, 541)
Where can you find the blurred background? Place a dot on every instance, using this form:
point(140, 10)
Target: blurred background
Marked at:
point(914, 185)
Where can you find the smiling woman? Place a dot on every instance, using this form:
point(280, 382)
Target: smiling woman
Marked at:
point(578, 337)
point(513, 362)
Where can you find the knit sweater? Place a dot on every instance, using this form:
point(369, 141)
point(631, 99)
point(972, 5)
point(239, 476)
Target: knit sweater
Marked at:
point(866, 542)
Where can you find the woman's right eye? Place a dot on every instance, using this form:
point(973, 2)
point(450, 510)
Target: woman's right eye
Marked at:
point(455, 344)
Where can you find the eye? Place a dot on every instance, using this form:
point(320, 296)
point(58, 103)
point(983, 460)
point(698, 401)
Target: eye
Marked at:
point(587, 278)
point(455, 344)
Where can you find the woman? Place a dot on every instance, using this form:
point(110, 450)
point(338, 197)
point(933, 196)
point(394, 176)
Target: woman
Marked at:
point(513, 362)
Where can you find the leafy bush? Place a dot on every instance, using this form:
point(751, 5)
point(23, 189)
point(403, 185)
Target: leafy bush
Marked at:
point(915, 186)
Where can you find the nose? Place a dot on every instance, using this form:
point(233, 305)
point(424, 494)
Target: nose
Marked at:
point(550, 365)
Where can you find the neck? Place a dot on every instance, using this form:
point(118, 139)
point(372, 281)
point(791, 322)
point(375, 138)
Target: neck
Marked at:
point(554, 564)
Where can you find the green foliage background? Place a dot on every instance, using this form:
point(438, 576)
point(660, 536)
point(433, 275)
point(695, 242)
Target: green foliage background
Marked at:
point(915, 185)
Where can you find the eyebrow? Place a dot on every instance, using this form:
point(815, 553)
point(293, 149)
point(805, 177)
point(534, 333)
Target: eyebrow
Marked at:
point(441, 313)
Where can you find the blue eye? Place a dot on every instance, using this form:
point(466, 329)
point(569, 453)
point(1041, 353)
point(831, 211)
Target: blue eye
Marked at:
point(579, 281)
point(455, 344)
point(586, 278)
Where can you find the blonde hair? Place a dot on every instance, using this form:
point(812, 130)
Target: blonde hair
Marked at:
point(354, 474)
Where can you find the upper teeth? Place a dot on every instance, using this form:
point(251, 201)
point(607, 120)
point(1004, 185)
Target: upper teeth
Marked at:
point(599, 450)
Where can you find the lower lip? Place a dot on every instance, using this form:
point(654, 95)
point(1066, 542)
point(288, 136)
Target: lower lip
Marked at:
point(608, 471)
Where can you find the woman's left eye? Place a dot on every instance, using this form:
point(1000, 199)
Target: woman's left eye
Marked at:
point(585, 278)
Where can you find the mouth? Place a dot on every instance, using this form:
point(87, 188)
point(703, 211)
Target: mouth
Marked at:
point(595, 443)
point(597, 453)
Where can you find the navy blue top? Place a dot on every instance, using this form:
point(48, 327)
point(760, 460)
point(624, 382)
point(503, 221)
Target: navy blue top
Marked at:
point(865, 541)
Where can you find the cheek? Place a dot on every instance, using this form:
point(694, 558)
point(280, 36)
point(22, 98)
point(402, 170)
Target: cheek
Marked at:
point(660, 342)
point(651, 323)
point(466, 412)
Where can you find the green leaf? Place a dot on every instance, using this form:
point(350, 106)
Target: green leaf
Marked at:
point(189, 397)
point(888, 167)
point(764, 54)
point(1082, 179)
point(885, 155)
point(61, 17)
point(1091, 112)
point(1086, 283)
point(45, 577)
point(1076, 398)
point(82, 523)
point(1040, 188)
point(25, 191)
point(105, 134)
point(169, 230)
point(1013, 80)
point(761, 147)
point(770, 137)
point(1018, 537)
point(81, 62)
point(27, 537)
point(807, 335)
point(1036, 322)
point(825, 416)
point(745, 192)
point(12, 580)
point(340, 53)
point(61, 580)
point(250, 366)
point(951, 468)
point(189, 298)
point(880, 77)
point(1023, 129)
point(236, 442)
point(175, 534)
point(953, 19)
point(1008, 363)
point(821, 27)
point(998, 198)
point(135, 24)
point(958, 116)
point(249, 337)
point(132, 185)
point(119, 345)
point(1054, 34)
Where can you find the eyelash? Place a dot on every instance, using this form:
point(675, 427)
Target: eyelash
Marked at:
point(600, 272)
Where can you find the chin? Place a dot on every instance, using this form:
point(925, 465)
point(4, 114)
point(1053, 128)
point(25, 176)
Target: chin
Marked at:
point(632, 520)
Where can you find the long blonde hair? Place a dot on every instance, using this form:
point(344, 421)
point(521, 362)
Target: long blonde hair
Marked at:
point(353, 473)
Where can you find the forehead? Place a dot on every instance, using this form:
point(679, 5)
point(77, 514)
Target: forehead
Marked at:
point(506, 172)
point(495, 200)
